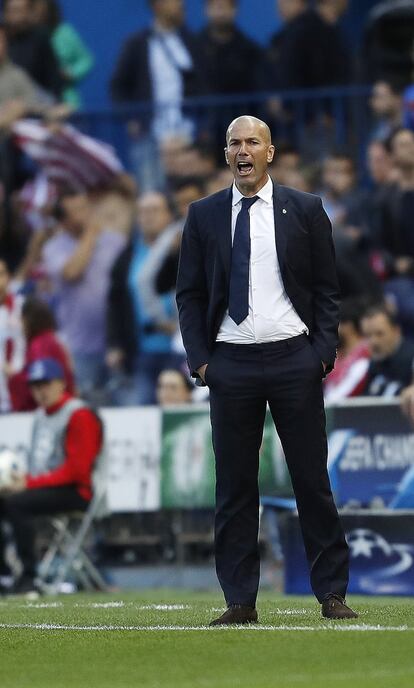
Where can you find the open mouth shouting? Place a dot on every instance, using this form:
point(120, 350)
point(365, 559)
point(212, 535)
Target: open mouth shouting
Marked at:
point(244, 168)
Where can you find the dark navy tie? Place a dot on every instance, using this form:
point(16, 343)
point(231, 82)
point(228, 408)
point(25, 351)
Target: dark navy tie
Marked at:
point(240, 264)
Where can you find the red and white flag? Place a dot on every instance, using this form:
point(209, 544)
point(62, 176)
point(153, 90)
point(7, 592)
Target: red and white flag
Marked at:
point(66, 156)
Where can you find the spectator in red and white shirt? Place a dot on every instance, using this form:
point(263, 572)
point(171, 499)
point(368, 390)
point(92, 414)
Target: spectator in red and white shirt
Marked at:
point(349, 376)
point(12, 345)
point(67, 441)
point(42, 342)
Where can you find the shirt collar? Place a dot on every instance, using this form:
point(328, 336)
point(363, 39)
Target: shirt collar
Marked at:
point(265, 193)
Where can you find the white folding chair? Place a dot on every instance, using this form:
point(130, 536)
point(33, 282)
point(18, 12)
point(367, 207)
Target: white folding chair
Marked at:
point(66, 555)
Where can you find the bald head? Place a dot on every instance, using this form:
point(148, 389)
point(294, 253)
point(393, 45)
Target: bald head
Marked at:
point(253, 123)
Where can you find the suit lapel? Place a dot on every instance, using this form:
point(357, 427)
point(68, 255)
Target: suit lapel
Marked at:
point(281, 214)
point(222, 223)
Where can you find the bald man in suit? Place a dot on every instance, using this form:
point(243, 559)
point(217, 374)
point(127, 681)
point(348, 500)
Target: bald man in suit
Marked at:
point(257, 295)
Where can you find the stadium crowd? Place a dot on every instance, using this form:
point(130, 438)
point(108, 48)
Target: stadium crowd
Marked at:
point(89, 252)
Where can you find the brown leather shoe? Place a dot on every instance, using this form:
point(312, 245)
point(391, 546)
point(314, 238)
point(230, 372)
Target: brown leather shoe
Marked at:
point(236, 614)
point(334, 607)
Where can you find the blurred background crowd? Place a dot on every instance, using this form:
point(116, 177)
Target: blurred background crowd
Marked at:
point(92, 207)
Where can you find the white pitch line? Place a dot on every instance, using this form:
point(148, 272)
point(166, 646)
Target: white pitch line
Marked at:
point(41, 605)
point(148, 607)
point(102, 605)
point(165, 607)
point(291, 612)
point(62, 627)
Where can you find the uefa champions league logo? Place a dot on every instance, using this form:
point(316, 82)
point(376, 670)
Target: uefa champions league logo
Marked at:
point(391, 559)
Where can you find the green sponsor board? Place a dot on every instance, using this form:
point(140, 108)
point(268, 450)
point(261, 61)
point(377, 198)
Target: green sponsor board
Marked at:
point(187, 461)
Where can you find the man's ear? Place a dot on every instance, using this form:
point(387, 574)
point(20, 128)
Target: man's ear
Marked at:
point(270, 153)
point(226, 156)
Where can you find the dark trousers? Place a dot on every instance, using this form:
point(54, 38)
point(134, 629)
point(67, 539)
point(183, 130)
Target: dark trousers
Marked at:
point(20, 509)
point(287, 375)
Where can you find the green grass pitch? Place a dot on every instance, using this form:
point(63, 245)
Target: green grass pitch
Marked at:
point(160, 639)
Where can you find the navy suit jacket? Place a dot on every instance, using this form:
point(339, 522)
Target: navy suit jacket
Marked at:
point(307, 262)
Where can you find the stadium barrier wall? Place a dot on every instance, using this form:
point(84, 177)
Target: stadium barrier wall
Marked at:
point(164, 458)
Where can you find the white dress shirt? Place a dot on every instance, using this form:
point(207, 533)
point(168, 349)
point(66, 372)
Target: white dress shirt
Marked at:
point(271, 314)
